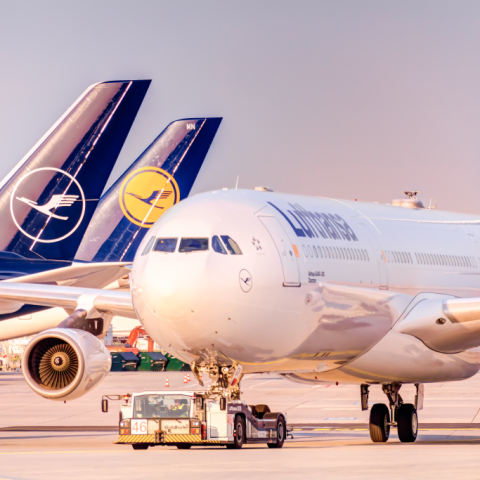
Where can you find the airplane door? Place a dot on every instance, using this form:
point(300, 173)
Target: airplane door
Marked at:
point(291, 273)
point(379, 256)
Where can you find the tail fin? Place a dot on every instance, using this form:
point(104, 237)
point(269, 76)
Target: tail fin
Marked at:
point(162, 176)
point(48, 199)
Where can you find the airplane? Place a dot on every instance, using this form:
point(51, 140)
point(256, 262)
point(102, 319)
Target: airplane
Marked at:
point(314, 289)
point(169, 164)
point(62, 178)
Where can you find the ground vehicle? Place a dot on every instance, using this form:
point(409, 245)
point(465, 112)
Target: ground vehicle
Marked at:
point(186, 418)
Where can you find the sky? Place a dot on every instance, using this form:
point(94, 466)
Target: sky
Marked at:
point(344, 99)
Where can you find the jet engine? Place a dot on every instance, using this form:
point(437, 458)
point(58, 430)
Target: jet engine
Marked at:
point(65, 363)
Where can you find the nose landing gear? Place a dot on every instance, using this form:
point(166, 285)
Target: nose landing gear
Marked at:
point(402, 415)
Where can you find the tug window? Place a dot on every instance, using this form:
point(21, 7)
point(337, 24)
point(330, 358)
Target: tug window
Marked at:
point(165, 245)
point(217, 246)
point(231, 244)
point(188, 245)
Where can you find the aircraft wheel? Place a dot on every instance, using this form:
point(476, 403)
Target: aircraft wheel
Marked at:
point(379, 419)
point(183, 446)
point(239, 437)
point(407, 421)
point(281, 434)
point(140, 446)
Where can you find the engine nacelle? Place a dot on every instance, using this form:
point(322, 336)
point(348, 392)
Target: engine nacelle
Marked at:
point(65, 363)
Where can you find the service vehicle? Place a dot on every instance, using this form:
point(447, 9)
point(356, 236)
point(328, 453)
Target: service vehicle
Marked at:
point(185, 418)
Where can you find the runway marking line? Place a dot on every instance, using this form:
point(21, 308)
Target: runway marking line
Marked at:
point(62, 451)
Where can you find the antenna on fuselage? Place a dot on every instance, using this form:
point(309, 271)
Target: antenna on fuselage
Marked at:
point(411, 202)
point(236, 185)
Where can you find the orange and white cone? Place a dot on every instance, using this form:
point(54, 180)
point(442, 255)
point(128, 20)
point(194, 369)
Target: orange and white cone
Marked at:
point(166, 384)
point(188, 377)
point(185, 379)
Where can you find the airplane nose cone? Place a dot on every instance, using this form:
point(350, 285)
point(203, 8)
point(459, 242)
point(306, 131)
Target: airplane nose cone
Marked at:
point(172, 287)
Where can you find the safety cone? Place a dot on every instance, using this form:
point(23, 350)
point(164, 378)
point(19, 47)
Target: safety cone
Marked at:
point(185, 379)
point(188, 377)
point(166, 384)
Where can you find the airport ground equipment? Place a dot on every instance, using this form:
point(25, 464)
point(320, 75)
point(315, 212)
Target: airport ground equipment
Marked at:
point(195, 418)
point(124, 362)
point(175, 365)
point(135, 333)
point(151, 362)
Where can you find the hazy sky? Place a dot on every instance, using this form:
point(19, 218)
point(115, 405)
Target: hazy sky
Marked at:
point(347, 99)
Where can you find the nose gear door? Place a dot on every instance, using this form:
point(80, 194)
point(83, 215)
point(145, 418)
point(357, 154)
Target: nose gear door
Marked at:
point(291, 273)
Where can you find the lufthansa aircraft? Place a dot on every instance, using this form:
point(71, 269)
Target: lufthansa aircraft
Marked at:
point(316, 289)
point(162, 176)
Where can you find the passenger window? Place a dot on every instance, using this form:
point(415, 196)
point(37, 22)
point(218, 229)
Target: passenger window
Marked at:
point(148, 246)
point(217, 246)
point(310, 251)
point(188, 245)
point(315, 251)
point(305, 251)
point(165, 245)
point(231, 244)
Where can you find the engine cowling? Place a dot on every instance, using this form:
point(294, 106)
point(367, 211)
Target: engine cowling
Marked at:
point(65, 363)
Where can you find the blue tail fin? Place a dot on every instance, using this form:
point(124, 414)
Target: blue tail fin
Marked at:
point(47, 201)
point(162, 176)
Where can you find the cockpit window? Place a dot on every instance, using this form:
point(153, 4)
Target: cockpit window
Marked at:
point(217, 245)
point(231, 244)
point(193, 245)
point(165, 245)
point(148, 246)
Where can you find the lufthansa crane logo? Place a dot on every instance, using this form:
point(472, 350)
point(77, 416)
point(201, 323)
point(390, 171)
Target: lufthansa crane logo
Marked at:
point(66, 207)
point(146, 194)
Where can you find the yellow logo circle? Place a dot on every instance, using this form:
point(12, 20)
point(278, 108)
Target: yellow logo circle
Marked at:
point(146, 194)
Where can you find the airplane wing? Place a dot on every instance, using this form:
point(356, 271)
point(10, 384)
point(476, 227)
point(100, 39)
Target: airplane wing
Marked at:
point(105, 301)
point(98, 275)
point(447, 325)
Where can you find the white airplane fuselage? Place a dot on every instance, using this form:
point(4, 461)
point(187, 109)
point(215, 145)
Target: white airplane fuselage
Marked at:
point(318, 291)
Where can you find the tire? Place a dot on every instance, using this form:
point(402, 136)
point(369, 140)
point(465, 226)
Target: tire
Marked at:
point(140, 446)
point(407, 423)
point(183, 446)
point(379, 419)
point(239, 435)
point(281, 434)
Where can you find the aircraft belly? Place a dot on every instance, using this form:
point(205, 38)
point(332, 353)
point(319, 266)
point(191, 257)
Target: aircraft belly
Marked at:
point(404, 358)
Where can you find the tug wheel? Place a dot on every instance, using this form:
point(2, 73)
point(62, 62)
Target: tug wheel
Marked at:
point(239, 437)
point(281, 434)
point(183, 446)
point(140, 446)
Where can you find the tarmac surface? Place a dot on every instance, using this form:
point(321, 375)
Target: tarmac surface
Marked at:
point(41, 439)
